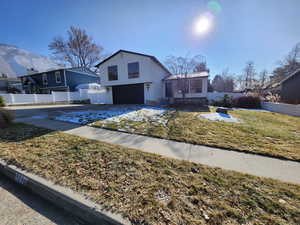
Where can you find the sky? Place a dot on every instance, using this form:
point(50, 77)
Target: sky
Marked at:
point(241, 30)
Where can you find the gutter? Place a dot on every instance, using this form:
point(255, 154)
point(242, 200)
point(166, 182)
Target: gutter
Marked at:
point(62, 197)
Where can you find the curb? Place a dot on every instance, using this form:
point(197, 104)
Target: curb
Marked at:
point(62, 197)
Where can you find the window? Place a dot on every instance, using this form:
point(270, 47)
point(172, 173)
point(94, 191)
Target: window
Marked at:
point(112, 72)
point(133, 70)
point(45, 80)
point(196, 85)
point(57, 77)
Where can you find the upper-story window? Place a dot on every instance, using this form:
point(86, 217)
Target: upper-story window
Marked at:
point(45, 79)
point(133, 70)
point(112, 72)
point(57, 77)
point(196, 85)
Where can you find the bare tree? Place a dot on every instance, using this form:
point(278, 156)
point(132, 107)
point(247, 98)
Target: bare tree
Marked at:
point(181, 67)
point(263, 77)
point(249, 75)
point(288, 65)
point(224, 82)
point(78, 50)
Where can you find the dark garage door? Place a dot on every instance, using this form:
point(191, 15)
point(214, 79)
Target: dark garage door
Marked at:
point(128, 94)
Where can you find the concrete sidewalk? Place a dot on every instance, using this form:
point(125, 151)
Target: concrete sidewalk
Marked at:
point(283, 170)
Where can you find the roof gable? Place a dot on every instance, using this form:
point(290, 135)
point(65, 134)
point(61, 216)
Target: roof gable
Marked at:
point(291, 75)
point(135, 53)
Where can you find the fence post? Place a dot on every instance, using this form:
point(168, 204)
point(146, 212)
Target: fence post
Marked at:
point(68, 96)
point(12, 99)
point(35, 98)
point(80, 94)
point(53, 96)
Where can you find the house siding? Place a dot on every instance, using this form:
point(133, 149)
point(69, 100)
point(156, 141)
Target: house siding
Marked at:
point(150, 74)
point(75, 78)
point(290, 91)
point(38, 78)
point(69, 80)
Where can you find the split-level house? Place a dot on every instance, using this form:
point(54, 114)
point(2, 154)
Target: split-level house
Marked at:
point(65, 79)
point(135, 78)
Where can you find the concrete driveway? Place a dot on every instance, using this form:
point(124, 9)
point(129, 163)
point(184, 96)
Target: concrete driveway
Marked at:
point(51, 110)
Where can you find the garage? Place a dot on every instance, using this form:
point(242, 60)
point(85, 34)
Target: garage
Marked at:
point(128, 94)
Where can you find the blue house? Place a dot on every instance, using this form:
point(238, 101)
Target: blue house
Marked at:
point(65, 79)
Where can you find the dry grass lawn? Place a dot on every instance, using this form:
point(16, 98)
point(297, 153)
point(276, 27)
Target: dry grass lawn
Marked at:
point(265, 133)
point(146, 188)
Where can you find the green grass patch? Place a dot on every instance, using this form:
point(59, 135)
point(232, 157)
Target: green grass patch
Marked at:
point(265, 133)
point(147, 188)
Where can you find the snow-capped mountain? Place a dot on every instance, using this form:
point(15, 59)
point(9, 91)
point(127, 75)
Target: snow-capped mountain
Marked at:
point(15, 61)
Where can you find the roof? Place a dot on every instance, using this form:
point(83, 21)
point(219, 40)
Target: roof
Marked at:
point(72, 69)
point(189, 75)
point(135, 53)
point(291, 75)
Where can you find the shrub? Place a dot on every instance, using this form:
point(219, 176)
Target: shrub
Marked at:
point(6, 117)
point(2, 103)
point(247, 102)
point(226, 101)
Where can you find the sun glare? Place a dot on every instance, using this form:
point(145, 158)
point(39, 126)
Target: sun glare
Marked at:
point(203, 25)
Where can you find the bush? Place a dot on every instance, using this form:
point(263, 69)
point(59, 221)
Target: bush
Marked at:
point(226, 101)
point(252, 102)
point(2, 103)
point(6, 117)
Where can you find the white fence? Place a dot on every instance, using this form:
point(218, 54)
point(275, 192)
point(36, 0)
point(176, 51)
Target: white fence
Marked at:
point(289, 109)
point(216, 96)
point(95, 96)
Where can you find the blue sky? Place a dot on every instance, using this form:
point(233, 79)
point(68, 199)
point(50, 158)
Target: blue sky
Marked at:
point(262, 31)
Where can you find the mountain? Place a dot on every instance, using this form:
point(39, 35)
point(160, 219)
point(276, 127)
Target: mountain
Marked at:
point(15, 61)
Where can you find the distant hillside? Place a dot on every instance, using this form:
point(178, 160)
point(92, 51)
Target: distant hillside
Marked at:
point(15, 61)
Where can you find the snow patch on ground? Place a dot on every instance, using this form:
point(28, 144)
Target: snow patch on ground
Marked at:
point(116, 114)
point(220, 117)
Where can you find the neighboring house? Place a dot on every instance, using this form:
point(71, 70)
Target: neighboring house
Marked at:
point(135, 78)
point(7, 84)
point(65, 79)
point(290, 88)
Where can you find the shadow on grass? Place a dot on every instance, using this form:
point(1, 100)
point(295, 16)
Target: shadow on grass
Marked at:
point(190, 108)
point(19, 132)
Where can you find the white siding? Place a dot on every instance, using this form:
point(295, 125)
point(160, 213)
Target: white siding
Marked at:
point(150, 72)
point(195, 95)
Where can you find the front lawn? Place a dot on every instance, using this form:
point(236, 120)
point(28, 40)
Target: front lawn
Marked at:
point(147, 188)
point(260, 132)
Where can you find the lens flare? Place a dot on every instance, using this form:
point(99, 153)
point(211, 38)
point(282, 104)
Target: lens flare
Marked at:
point(214, 6)
point(203, 25)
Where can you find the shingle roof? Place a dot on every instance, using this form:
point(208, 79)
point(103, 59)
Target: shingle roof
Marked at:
point(189, 75)
point(291, 75)
point(74, 69)
point(136, 53)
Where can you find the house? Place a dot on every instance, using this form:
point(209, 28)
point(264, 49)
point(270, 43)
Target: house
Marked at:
point(135, 78)
point(65, 79)
point(290, 88)
point(10, 84)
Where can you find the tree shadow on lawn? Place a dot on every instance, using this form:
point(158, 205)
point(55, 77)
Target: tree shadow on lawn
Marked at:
point(190, 108)
point(20, 132)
